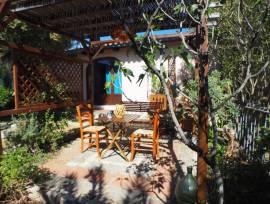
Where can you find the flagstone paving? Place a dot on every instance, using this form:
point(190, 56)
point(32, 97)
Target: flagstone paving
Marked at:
point(85, 178)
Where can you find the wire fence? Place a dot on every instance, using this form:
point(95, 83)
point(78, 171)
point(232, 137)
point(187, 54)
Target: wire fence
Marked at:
point(251, 125)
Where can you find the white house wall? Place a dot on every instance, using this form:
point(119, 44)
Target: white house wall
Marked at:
point(181, 72)
point(130, 60)
point(131, 89)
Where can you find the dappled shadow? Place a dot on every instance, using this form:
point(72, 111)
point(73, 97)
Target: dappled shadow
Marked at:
point(66, 189)
point(150, 181)
point(147, 181)
point(59, 189)
point(174, 158)
point(96, 194)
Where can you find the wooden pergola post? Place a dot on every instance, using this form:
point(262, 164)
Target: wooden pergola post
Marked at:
point(15, 85)
point(1, 144)
point(4, 4)
point(202, 34)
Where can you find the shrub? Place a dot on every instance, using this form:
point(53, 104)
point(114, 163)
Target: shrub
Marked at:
point(219, 89)
point(44, 130)
point(17, 168)
point(5, 96)
point(263, 141)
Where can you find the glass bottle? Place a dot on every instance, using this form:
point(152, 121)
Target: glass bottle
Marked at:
point(186, 189)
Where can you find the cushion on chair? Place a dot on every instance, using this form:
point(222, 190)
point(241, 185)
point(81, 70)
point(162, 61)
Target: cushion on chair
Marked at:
point(143, 132)
point(94, 128)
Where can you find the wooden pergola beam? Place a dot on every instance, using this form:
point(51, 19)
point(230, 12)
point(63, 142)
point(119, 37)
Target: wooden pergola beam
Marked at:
point(36, 5)
point(37, 51)
point(89, 15)
point(4, 5)
point(46, 27)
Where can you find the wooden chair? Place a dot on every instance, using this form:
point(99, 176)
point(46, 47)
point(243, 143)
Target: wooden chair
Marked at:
point(151, 138)
point(88, 130)
point(159, 98)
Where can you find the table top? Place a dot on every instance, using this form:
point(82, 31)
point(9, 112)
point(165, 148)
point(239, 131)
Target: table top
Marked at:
point(127, 118)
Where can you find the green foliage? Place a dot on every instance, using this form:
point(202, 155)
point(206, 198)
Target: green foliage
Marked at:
point(5, 74)
point(243, 32)
point(21, 33)
point(18, 167)
point(54, 93)
point(156, 86)
point(219, 89)
point(221, 146)
point(43, 130)
point(184, 54)
point(127, 72)
point(263, 141)
point(140, 78)
point(178, 8)
point(5, 96)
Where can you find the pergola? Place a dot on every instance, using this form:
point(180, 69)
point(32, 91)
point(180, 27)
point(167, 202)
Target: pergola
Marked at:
point(88, 18)
point(85, 21)
point(82, 21)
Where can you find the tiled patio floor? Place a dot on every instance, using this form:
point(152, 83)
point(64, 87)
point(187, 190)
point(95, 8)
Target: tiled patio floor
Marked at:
point(85, 178)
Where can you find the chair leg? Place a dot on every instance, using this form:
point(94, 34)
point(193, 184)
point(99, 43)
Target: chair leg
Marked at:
point(154, 149)
point(157, 149)
point(90, 141)
point(157, 144)
point(97, 144)
point(81, 143)
point(107, 138)
point(132, 148)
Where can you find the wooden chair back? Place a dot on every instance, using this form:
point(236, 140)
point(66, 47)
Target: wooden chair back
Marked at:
point(85, 114)
point(159, 98)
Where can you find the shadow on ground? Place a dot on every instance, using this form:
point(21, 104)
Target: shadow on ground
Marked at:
point(148, 182)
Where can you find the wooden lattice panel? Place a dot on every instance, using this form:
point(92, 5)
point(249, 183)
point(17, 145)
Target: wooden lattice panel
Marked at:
point(71, 75)
point(42, 80)
point(28, 92)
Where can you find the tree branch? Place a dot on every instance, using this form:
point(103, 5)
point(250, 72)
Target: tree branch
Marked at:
point(185, 43)
point(242, 86)
point(189, 14)
point(150, 21)
point(178, 128)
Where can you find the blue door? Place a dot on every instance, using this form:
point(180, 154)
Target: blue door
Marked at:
point(108, 82)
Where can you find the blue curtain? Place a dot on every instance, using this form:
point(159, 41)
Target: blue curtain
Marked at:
point(117, 81)
point(108, 79)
